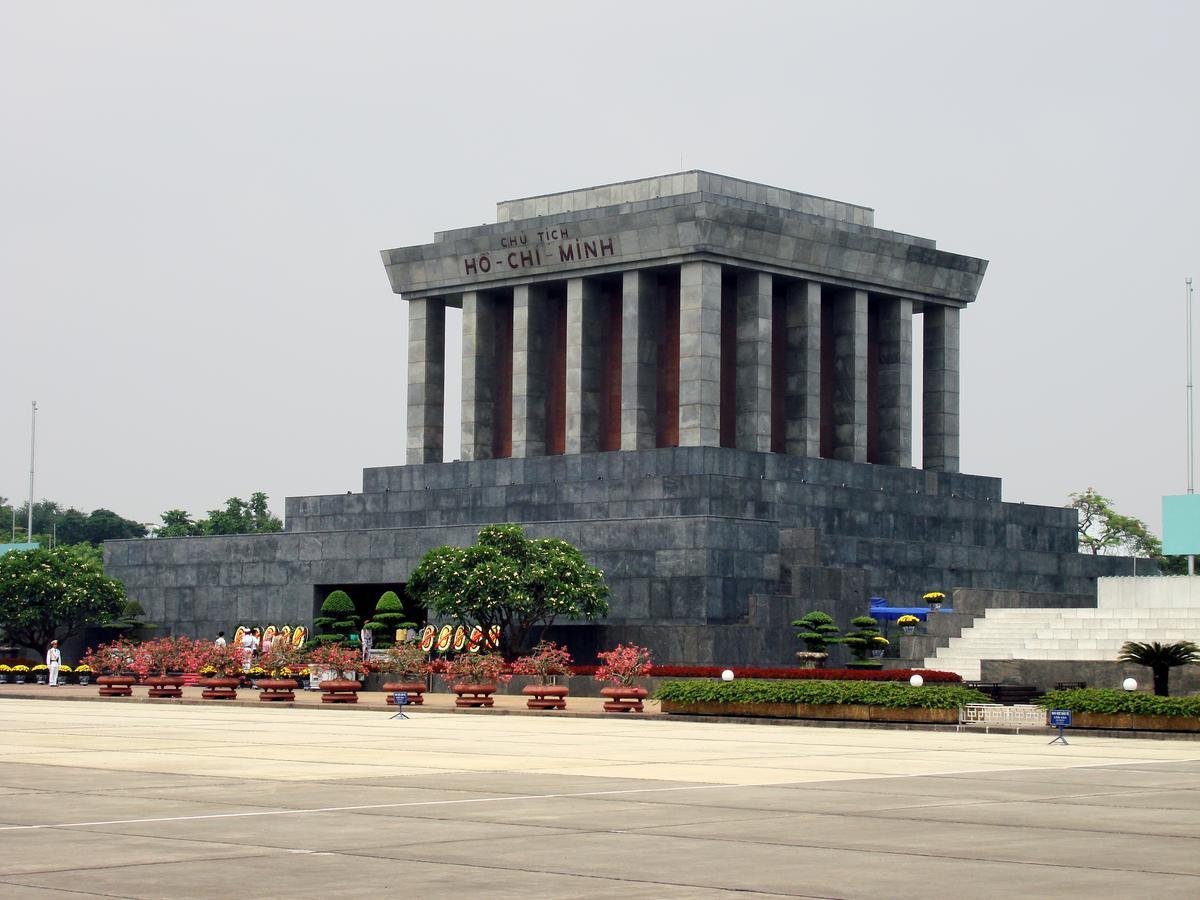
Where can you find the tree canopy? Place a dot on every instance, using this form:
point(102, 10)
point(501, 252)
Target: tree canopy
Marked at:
point(52, 593)
point(238, 517)
point(509, 580)
point(1102, 530)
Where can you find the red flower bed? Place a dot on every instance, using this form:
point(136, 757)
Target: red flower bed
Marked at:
point(931, 676)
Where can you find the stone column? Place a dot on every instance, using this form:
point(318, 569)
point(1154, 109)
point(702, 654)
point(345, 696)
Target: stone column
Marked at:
point(939, 425)
point(529, 371)
point(699, 354)
point(850, 375)
point(639, 361)
point(426, 379)
point(802, 407)
point(478, 390)
point(583, 366)
point(753, 379)
point(895, 381)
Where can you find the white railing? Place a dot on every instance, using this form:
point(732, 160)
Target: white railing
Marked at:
point(997, 715)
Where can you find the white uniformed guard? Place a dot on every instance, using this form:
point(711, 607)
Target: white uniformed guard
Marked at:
point(53, 661)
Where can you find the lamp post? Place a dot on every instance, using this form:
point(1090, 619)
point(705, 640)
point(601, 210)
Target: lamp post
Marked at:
point(32, 438)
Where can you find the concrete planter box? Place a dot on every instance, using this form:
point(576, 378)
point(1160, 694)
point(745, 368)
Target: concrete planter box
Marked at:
point(1135, 722)
point(846, 712)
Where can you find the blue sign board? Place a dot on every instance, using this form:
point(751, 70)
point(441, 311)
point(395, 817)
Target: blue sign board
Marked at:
point(1060, 718)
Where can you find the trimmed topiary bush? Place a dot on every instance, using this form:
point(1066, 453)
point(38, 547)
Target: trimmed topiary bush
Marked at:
point(862, 640)
point(869, 693)
point(388, 617)
point(338, 619)
point(817, 630)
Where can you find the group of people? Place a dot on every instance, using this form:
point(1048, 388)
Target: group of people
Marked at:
point(253, 642)
point(256, 643)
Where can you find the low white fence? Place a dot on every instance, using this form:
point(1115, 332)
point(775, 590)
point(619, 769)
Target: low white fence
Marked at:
point(987, 715)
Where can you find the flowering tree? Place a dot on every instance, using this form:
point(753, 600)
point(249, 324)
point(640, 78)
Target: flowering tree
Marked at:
point(547, 659)
point(171, 654)
point(225, 660)
point(335, 657)
point(115, 657)
point(624, 665)
point(476, 668)
point(405, 660)
point(282, 659)
point(509, 580)
point(47, 594)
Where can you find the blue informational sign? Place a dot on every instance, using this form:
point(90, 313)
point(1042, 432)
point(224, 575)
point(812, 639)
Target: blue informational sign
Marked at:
point(1060, 719)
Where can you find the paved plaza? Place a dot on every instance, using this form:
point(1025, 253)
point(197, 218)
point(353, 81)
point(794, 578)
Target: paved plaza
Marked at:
point(139, 800)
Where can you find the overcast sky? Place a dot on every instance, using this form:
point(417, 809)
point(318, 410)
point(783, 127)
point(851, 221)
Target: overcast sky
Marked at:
point(193, 198)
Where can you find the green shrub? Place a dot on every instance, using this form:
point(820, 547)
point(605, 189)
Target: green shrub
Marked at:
point(871, 693)
point(1108, 700)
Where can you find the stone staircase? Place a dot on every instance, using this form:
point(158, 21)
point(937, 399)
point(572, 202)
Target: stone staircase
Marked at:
point(1142, 609)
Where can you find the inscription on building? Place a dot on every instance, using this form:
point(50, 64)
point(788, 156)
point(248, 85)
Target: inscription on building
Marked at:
point(538, 250)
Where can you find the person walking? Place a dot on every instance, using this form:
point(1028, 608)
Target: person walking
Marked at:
point(220, 641)
point(53, 661)
point(248, 645)
point(268, 641)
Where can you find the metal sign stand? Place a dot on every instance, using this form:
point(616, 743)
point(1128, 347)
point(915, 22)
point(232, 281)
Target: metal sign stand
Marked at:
point(400, 698)
point(1060, 719)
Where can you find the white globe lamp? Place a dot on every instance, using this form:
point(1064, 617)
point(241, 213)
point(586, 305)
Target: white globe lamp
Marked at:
point(1130, 684)
point(727, 675)
point(916, 681)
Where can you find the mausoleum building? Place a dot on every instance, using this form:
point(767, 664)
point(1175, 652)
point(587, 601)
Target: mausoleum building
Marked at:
point(704, 383)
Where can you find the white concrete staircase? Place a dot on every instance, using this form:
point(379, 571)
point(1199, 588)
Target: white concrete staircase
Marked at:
point(1129, 609)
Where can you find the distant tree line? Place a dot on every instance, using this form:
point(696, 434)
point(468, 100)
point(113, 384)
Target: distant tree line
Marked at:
point(55, 523)
point(61, 525)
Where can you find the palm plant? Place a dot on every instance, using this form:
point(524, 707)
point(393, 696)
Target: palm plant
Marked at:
point(1160, 659)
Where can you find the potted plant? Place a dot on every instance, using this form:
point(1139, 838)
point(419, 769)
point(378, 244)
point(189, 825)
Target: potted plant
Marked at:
point(84, 673)
point(818, 631)
point(409, 665)
point(935, 599)
point(879, 645)
point(20, 673)
point(115, 661)
point(64, 674)
point(623, 666)
point(547, 661)
point(166, 658)
point(473, 677)
point(335, 660)
point(221, 669)
point(41, 673)
point(908, 623)
point(279, 663)
point(862, 641)
point(5, 671)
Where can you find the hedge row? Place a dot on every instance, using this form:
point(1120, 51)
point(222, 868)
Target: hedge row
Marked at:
point(1107, 700)
point(930, 675)
point(890, 695)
